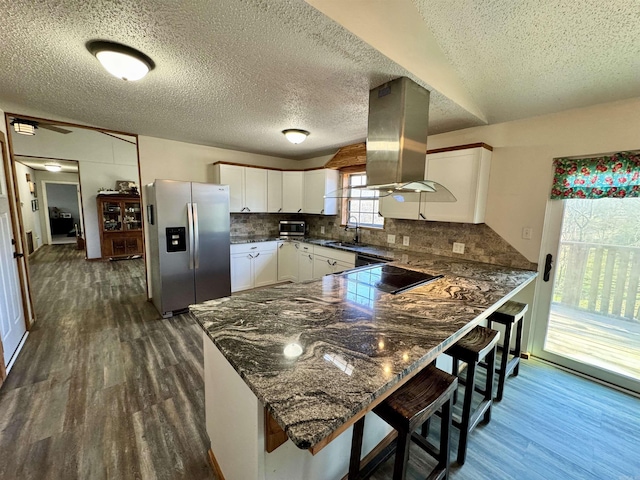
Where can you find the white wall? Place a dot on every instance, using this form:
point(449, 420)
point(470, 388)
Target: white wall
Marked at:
point(30, 219)
point(521, 169)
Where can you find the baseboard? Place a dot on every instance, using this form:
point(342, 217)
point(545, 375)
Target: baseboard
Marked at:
point(17, 352)
point(215, 466)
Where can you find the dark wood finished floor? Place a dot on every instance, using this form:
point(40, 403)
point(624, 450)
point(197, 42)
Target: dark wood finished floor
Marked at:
point(104, 389)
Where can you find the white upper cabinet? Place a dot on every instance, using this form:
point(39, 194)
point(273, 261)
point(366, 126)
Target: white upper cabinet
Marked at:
point(255, 189)
point(401, 205)
point(292, 192)
point(247, 187)
point(274, 191)
point(466, 174)
point(317, 184)
point(232, 175)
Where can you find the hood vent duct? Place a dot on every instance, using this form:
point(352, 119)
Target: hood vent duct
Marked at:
point(397, 142)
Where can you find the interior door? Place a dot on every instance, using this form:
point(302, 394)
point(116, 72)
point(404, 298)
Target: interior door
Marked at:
point(588, 301)
point(12, 323)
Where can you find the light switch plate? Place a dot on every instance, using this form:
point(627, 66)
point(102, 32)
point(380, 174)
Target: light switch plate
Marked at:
point(322, 229)
point(405, 240)
point(527, 232)
point(391, 239)
point(458, 247)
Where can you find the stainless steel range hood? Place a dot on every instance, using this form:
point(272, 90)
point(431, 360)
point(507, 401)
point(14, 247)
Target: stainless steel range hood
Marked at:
point(397, 142)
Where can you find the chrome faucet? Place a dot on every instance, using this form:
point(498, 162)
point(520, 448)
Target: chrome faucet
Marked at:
point(356, 239)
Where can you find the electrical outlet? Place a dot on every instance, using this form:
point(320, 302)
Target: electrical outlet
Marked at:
point(458, 247)
point(391, 239)
point(405, 240)
point(321, 229)
point(527, 232)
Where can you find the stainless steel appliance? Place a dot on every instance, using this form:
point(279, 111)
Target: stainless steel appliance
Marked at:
point(190, 244)
point(389, 278)
point(292, 228)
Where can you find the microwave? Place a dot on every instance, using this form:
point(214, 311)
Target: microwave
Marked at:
point(292, 228)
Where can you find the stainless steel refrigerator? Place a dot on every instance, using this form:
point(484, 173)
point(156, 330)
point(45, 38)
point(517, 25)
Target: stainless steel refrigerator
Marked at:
point(190, 245)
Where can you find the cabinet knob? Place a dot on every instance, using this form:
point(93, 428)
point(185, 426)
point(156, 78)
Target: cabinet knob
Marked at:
point(257, 255)
point(299, 210)
point(249, 256)
point(310, 257)
point(280, 209)
point(253, 248)
point(280, 246)
point(248, 209)
point(322, 211)
point(297, 245)
point(379, 214)
point(423, 217)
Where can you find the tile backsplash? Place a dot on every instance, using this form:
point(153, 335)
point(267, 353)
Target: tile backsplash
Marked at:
point(481, 242)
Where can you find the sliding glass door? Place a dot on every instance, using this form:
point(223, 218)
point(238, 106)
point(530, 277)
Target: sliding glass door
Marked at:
point(589, 300)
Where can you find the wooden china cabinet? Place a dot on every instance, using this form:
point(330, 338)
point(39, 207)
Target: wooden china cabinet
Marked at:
point(120, 223)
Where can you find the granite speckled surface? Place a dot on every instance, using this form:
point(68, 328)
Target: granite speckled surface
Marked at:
point(356, 342)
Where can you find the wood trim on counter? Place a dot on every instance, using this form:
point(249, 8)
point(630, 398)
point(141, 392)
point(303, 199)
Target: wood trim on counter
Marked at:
point(215, 466)
point(274, 435)
point(461, 147)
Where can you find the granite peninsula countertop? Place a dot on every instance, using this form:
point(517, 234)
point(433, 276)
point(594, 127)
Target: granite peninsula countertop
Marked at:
point(356, 342)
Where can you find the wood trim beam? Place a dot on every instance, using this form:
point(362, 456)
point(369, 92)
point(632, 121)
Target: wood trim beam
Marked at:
point(349, 156)
point(461, 147)
point(268, 168)
point(122, 139)
point(215, 466)
point(66, 124)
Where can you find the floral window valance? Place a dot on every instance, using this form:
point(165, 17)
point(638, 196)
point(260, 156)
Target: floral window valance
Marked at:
point(615, 176)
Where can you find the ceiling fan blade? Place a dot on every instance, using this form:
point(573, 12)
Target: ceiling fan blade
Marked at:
point(53, 128)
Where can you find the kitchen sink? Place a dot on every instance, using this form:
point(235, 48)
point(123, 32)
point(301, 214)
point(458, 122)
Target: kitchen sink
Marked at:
point(345, 244)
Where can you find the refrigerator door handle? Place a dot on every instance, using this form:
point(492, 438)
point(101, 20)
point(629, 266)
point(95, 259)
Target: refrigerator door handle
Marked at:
point(196, 238)
point(190, 228)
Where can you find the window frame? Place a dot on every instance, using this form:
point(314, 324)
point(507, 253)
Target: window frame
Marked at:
point(345, 213)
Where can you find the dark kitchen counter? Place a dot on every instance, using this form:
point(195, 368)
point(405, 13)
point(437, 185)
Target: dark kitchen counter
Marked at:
point(356, 342)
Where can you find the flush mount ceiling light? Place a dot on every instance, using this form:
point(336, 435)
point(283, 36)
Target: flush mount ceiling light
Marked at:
point(295, 136)
point(24, 127)
point(52, 167)
point(121, 61)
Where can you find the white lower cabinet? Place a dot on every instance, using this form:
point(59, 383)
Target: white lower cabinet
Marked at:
point(253, 265)
point(288, 261)
point(329, 260)
point(305, 265)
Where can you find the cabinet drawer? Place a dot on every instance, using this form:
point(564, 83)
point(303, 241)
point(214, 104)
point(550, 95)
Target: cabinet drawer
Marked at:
point(335, 254)
point(253, 247)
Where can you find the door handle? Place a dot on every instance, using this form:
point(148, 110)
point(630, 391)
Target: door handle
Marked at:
point(18, 255)
point(280, 209)
point(257, 255)
point(196, 237)
point(297, 245)
point(249, 256)
point(423, 217)
point(299, 210)
point(190, 228)
point(281, 245)
point(310, 257)
point(548, 265)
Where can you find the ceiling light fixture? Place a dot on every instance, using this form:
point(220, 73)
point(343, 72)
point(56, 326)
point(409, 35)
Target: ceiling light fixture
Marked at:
point(52, 167)
point(295, 136)
point(24, 127)
point(121, 61)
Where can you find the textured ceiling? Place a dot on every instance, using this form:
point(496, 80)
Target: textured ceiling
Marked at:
point(234, 73)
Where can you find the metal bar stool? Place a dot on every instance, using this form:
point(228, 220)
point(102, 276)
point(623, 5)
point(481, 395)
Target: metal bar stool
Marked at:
point(479, 344)
point(508, 314)
point(405, 409)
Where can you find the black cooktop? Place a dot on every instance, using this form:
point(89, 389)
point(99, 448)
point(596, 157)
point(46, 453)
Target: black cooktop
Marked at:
point(389, 279)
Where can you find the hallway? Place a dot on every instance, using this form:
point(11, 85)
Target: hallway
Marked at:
point(103, 388)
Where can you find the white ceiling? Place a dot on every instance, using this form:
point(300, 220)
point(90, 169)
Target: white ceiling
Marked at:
point(235, 73)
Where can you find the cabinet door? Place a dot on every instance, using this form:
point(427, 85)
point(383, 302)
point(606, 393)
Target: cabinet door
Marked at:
point(241, 272)
point(305, 266)
point(322, 266)
point(466, 174)
point(342, 266)
point(292, 192)
point(401, 205)
point(265, 268)
point(287, 262)
point(274, 191)
point(233, 176)
point(314, 191)
point(255, 190)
